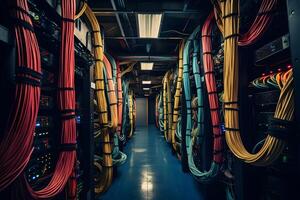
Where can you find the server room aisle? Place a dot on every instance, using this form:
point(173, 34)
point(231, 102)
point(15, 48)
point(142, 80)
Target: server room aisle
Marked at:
point(151, 172)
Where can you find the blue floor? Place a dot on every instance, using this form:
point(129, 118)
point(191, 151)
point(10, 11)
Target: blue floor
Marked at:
point(151, 172)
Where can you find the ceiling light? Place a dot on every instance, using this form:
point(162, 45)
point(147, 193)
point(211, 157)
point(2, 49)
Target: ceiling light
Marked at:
point(146, 82)
point(147, 65)
point(146, 88)
point(149, 25)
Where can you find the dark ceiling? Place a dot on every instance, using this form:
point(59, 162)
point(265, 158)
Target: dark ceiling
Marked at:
point(118, 19)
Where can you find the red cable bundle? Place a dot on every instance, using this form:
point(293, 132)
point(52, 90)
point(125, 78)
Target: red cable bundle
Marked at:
point(16, 145)
point(211, 86)
point(120, 98)
point(260, 24)
point(66, 103)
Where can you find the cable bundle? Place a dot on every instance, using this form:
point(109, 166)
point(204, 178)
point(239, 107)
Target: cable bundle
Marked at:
point(284, 113)
point(198, 131)
point(112, 98)
point(118, 157)
point(130, 104)
point(134, 112)
point(66, 103)
point(114, 68)
point(120, 102)
point(259, 25)
point(177, 96)
point(156, 111)
point(125, 86)
point(18, 135)
point(270, 81)
point(167, 107)
point(107, 163)
point(210, 81)
point(161, 112)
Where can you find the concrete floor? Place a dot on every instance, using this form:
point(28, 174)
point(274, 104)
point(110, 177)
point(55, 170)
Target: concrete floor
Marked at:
point(151, 172)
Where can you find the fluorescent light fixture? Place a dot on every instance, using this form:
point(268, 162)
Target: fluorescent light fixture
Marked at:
point(147, 65)
point(146, 82)
point(149, 25)
point(146, 88)
point(146, 95)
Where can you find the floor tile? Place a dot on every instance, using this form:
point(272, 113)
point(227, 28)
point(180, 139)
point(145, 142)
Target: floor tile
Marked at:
point(151, 172)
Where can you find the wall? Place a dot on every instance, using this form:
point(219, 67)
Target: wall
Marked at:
point(151, 108)
point(141, 111)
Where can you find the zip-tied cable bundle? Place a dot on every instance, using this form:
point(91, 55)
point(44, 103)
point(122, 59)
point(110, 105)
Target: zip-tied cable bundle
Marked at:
point(125, 112)
point(156, 111)
point(167, 106)
point(130, 104)
point(118, 157)
point(211, 87)
point(259, 25)
point(114, 69)
point(125, 117)
point(107, 171)
point(66, 103)
point(177, 96)
point(112, 97)
point(134, 113)
point(16, 143)
point(284, 113)
point(198, 132)
point(161, 112)
point(120, 103)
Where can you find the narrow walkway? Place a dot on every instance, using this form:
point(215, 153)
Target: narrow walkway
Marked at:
point(151, 172)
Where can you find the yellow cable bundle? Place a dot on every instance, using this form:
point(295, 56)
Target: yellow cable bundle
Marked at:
point(133, 112)
point(169, 104)
point(129, 69)
point(83, 8)
point(273, 146)
point(130, 102)
point(177, 94)
point(107, 164)
point(167, 107)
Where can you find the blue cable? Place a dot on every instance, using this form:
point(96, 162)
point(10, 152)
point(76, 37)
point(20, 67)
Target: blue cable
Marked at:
point(205, 176)
point(118, 157)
